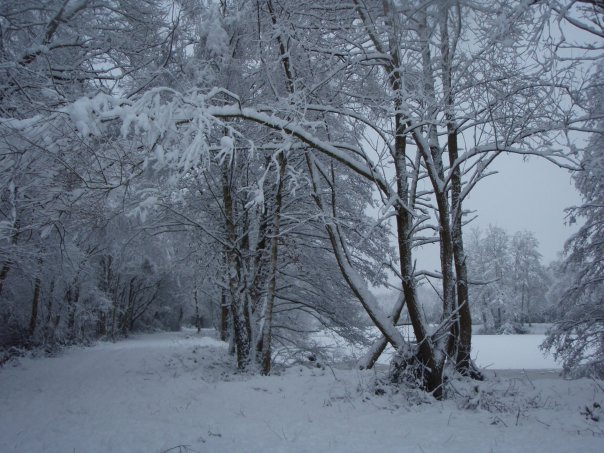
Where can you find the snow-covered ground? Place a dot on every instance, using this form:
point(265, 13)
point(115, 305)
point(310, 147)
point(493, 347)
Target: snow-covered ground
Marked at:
point(511, 352)
point(178, 392)
point(497, 352)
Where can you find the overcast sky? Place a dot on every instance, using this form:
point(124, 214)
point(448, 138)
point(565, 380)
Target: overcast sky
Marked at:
point(526, 195)
point(523, 195)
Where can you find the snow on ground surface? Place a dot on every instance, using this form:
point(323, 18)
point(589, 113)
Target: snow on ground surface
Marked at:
point(497, 352)
point(161, 392)
point(511, 352)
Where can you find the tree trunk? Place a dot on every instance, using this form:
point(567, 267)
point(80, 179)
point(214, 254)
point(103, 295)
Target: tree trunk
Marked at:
point(73, 296)
point(240, 337)
point(3, 273)
point(128, 312)
point(197, 315)
point(224, 316)
point(265, 360)
point(33, 320)
point(463, 326)
point(426, 354)
point(378, 347)
point(353, 278)
point(101, 324)
point(6, 267)
point(48, 317)
point(462, 329)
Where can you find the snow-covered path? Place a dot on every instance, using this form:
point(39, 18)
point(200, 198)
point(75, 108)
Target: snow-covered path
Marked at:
point(157, 392)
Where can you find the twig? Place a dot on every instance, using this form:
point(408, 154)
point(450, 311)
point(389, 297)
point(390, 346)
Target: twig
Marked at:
point(543, 423)
point(181, 448)
point(597, 383)
point(528, 378)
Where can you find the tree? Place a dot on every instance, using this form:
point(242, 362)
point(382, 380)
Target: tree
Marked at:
point(509, 282)
point(256, 135)
point(530, 280)
point(492, 268)
point(54, 195)
point(578, 338)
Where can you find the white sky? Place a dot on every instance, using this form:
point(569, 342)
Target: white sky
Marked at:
point(523, 195)
point(526, 195)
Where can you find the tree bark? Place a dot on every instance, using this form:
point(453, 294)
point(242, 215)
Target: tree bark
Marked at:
point(378, 347)
point(462, 329)
point(33, 320)
point(48, 317)
point(224, 316)
point(197, 315)
point(426, 354)
point(270, 300)
point(241, 339)
point(6, 267)
point(73, 296)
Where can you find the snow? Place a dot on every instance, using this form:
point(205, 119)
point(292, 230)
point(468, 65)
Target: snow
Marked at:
point(227, 148)
point(499, 352)
point(217, 38)
point(511, 352)
point(302, 134)
point(155, 392)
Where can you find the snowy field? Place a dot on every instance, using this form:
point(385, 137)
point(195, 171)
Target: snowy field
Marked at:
point(178, 392)
point(493, 352)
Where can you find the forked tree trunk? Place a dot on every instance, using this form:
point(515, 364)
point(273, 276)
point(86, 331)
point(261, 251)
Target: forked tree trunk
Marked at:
point(427, 354)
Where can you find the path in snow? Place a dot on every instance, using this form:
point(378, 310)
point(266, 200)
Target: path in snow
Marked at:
point(156, 392)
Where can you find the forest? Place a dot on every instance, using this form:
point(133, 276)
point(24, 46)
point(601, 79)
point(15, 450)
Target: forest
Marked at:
point(263, 168)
